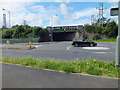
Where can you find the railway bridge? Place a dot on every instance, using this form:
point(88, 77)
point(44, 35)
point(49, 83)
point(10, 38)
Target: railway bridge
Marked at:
point(64, 33)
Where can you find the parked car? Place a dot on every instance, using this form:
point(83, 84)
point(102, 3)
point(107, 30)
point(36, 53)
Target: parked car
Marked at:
point(81, 43)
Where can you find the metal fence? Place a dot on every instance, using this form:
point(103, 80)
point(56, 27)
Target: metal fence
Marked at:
point(22, 40)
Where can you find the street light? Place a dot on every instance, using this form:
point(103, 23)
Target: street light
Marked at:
point(53, 21)
point(9, 16)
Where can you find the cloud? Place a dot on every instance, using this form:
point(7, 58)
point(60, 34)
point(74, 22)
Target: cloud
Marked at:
point(112, 0)
point(39, 15)
point(65, 1)
point(86, 12)
point(114, 4)
point(33, 14)
point(76, 22)
point(59, 1)
point(64, 9)
point(17, 11)
point(54, 20)
point(79, 17)
point(39, 8)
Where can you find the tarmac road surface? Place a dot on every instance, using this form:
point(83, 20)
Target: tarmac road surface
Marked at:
point(64, 50)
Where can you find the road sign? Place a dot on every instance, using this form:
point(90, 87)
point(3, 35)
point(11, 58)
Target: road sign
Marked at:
point(114, 11)
point(30, 44)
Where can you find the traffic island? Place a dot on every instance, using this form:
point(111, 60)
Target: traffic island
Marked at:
point(30, 48)
point(18, 48)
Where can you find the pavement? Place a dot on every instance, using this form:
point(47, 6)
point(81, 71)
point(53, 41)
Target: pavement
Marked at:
point(16, 76)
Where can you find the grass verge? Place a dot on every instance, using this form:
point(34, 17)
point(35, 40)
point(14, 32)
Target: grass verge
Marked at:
point(6, 43)
point(89, 66)
point(105, 40)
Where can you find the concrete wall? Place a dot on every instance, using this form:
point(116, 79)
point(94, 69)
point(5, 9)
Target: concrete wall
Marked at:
point(58, 36)
point(46, 38)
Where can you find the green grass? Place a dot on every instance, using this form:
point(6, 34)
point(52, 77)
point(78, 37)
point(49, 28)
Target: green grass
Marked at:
point(89, 66)
point(6, 43)
point(105, 40)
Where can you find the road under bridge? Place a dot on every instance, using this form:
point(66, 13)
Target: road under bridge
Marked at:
point(64, 33)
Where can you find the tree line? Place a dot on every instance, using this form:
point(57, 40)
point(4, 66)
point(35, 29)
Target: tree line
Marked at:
point(109, 30)
point(23, 31)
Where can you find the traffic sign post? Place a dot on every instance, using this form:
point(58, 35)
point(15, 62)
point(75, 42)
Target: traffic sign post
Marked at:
point(30, 44)
point(118, 39)
point(116, 12)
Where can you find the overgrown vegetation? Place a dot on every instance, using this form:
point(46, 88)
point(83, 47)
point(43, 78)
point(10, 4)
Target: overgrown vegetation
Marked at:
point(96, 31)
point(105, 40)
point(90, 32)
point(89, 66)
point(23, 31)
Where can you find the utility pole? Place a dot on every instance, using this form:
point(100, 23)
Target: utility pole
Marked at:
point(102, 13)
point(24, 23)
point(51, 31)
point(53, 21)
point(4, 20)
point(101, 9)
point(92, 19)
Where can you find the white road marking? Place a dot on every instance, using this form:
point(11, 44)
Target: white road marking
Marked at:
point(104, 52)
point(100, 52)
point(68, 48)
point(37, 46)
point(95, 48)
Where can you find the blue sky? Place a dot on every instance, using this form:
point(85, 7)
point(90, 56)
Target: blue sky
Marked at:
point(53, 13)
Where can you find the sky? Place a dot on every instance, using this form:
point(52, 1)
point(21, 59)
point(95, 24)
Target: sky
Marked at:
point(45, 13)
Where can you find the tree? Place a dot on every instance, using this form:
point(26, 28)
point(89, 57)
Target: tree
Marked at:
point(19, 32)
point(7, 33)
point(111, 29)
point(89, 28)
point(37, 31)
point(29, 32)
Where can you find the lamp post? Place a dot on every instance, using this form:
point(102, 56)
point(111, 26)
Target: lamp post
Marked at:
point(9, 16)
point(52, 17)
point(53, 21)
point(51, 32)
